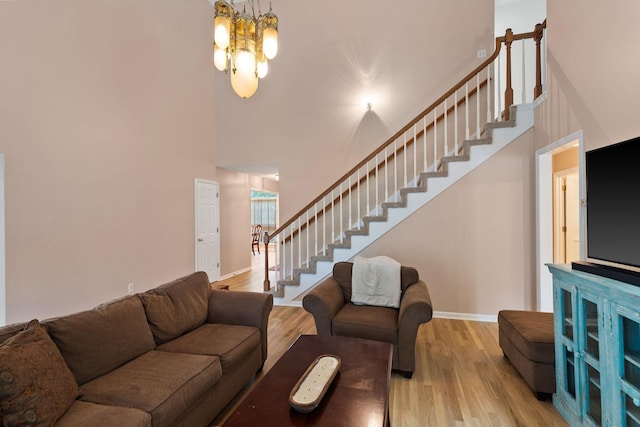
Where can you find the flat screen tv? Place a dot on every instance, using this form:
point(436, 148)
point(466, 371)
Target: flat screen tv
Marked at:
point(613, 211)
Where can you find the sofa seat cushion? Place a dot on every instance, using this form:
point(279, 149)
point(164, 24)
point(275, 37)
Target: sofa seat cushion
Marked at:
point(163, 384)
point(93, 414)
point(177, 307)
point(369, 322)
point(232, 343)
point(530, 332)
point(97, 341)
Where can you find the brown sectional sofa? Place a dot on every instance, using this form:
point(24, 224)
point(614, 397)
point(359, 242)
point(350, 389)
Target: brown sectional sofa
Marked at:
point(172, 356)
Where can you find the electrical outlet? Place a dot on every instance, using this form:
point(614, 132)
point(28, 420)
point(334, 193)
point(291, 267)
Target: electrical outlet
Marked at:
point(482, 53)
point(131, 288)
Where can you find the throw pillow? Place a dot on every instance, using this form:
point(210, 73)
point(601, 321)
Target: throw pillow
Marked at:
point(36, 385)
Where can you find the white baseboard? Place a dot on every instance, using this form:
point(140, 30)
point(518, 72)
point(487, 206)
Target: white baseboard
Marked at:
point(235, 273)
point(436, 314)
point(281, 302)
point(466, 316)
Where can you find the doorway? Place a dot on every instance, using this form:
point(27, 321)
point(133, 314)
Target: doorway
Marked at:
point(560, 162)
point(207, 228)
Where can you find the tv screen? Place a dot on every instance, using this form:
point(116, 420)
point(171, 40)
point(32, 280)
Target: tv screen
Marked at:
point(613, 203)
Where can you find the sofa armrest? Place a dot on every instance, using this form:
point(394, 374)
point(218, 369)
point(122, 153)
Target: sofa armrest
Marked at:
point(242, 308)
point(323, 302)
point(415, 309)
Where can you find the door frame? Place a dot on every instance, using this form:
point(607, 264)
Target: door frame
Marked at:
point(3, 293)
point(544, 215)
point(217, 225)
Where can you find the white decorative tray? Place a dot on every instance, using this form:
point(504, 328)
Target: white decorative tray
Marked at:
point(306, 395)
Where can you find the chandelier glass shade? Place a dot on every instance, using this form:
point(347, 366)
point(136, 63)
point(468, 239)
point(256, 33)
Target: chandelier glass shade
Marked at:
point(243, 44)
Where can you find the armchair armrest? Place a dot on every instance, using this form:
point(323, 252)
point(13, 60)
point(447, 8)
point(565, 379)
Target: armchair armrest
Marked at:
point(242, 308)
point(323, 302)
point(415, 309)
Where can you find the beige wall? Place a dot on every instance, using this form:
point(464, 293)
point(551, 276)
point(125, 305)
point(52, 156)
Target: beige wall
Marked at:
point(106, 119)
point(565, 160)
point(592, 72)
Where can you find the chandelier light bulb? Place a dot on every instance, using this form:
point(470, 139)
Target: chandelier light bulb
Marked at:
point(270, 42)
point(263, 68)
point(221, 32)
point(219, 58)
point(244, 79)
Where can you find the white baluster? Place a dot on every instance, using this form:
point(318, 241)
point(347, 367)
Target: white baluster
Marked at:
point(455, 123)
point(395, 170)
point(499, 91)
point(435, 139)
point(340, 207)
point(324, 226)
point(300, 243)
point(333, 219)
point(368, 190)
point(378, 176)
point(489, 94)
point(359, 200)
point(466, 108)
point(424, 143)
point(415, 156)
point(405, 161)
point(292, 229)
point(446, 131)
point(478, 105)
point(315, 225)
point(524, 90)
point(307, 234)
point(386, 175)
point(350, 205)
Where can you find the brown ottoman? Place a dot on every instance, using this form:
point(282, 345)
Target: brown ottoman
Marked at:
point(526, 339)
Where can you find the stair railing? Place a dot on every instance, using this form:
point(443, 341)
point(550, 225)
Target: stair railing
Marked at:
point(358, 197)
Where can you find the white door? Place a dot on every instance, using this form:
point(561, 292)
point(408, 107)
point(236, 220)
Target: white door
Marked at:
point(566, 228)
point(208, 228)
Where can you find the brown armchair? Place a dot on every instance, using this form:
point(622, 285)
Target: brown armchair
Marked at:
point(330, 304)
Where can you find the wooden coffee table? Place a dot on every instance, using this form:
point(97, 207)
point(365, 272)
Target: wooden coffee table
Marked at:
point(358, 396)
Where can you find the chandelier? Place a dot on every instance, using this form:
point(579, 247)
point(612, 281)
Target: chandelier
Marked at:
point(242, 44)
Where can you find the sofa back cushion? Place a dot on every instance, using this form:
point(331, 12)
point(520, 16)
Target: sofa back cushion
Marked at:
point(342, 274)
point(97, 341)
point(9, 331)
point(177, 307)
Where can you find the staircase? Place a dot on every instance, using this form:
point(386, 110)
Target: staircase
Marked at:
point(456, 134)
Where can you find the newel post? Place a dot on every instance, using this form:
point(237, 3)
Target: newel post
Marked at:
point(508, 93)
point(537, 91)
point(266, 284)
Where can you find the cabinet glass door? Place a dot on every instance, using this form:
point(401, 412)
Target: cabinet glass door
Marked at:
point(630, 375)
point(565, 305)
point(591, 338)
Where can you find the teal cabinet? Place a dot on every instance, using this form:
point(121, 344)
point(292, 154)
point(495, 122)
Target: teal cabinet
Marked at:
point(597, 344)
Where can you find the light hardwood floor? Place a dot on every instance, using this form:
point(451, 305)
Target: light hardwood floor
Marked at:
point(461, 377)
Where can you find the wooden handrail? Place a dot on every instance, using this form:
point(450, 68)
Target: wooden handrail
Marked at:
point(507, 39)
